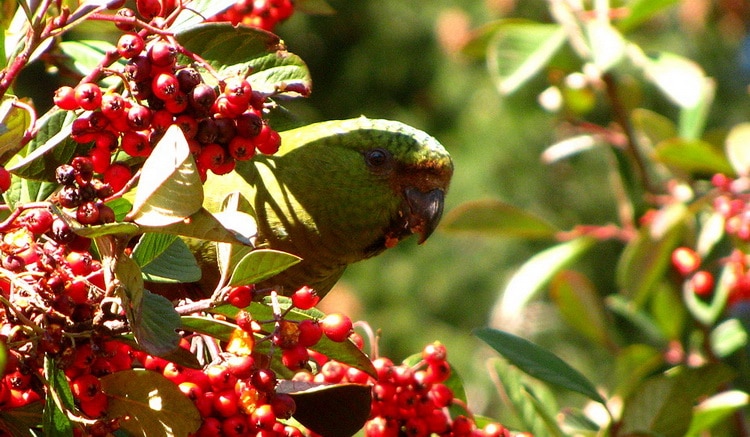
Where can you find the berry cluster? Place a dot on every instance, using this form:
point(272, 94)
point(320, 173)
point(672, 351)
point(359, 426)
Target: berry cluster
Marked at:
point(688, 262)
point(82, 191)
point(263, 14)
point(733, 203)
point(221, 124)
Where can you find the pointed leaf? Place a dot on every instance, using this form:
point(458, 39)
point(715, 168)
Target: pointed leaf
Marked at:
point(536, 273)
point(165, 258)
point(496, 218)
point(13, 124)
point(170, 189)
point(640, 11)
point(155, 325)
point(273, 70)
point(50, 148)
point(82, 56)
point(680, 79)
point(56, 422)
point(715, 410)
point(261, 264)
point(728, 337)
point(693, 118)
point(116, 228)
point(636, 315)
point(153, 404)
point(633, 364)
point(197, 13)
point(202, 225)
point(580, 306)
point(652, 126)
point(738, 148)
point(692, 156)
point(518, 51)
point(331, 410)
point(606, 43)
point(538, 362)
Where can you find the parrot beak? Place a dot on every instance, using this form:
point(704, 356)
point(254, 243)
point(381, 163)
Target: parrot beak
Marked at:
point(425, 210)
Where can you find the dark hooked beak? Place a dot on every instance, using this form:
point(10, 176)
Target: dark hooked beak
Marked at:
point(425, 210)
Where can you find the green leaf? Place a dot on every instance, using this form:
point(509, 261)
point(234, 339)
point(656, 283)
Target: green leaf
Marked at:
point(520, 395)
point(50, 148)
point(708, 312)
point(692, 156)
point(314, 7)
point(261, 264)
point(170, 189)
point(154, 405)
point(646, 257)
point(538, 362)
point(580, 305)
point(628, 310)
point(197, 13)
point(83, 56)
point(236, 213)
point(715, 410)
point(202, 225)
point(496, 218)
point(331, 410)
point(13, 124)
point(606, 44)
point(633, 364)
point(56, 422)
point(116, 228)
point(519, 50)
point(640, 11)
point(536, 273)
point(165, 258)
point(693, 118)
point(652, 126)
point(681, 80)
point(155, 325)
point(668, 312)
point(273, 70)
point(737, 148)
point(728, 337)
point(218, 329)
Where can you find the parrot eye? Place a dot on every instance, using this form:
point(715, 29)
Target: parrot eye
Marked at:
point(376, 158)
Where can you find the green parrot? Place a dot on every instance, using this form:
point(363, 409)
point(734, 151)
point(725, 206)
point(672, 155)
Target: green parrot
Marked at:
point(338, 192)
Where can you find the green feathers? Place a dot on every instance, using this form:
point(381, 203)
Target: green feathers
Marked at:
point(338, 192)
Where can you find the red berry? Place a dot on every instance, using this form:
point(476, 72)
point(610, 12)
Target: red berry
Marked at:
point(283, 405)
point(244, 320)
point(295, 358)
point(211, 156)
point(241, 366)
point(268, 141)
point(190, 389)
point(165, 86)
point(117, 175)
point(225, 403)
point(685, 260)
point(238, 91)
point(264, 380)
point(86, 387)
point(130, 45)
point(702, 283)
point(87, 213)
point(65, 98)
point(113, 105)
point(241, 296)
point(263, 417)
point(310, 333)
point(434, 353)
point(241, 148)
point(125, 25)
point(162, 53)
point(139, 117)
point(305, 298)
point(135, 144)
point(39, 220)
point(235, 426)
point(220, 377)
point(4, 180)
point(79, 263)
point(88, 96)
point(336, 326)
point(100, 158)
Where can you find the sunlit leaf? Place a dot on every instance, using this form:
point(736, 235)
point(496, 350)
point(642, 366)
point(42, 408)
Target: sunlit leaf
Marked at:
point(519, 50)
point(680, 79)
point(728, 337)
point(580, 306)
point(13, 124)
point(536, 273)
point(715, 410)
point(738, 148)
point(640, 11)
point(692, 156)
point(197, 12)
point(693, 118)
point(82, 56)
point(652, 127)
point(606, 44)
point(273, 70)
point(261, 264)
point(152, 403)
point(568, 147)
point(711, 233)
point(496, 218)
point(165, 258)
point(170, 189)
point(50, 148)
point(538, 362)
point(155, 324)
point(202, 225)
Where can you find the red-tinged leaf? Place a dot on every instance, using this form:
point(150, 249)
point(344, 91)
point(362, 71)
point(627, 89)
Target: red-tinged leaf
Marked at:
point(153, 404)
point(692, 156)
point(331, 410)
point(19, 422)
point(496, 218)
point(538, 362)
point(580, 305)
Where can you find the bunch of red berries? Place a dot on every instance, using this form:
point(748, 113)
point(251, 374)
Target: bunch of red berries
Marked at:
point(221, 124)
point(733, 203)
point(263, 14)
point(688, 262)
